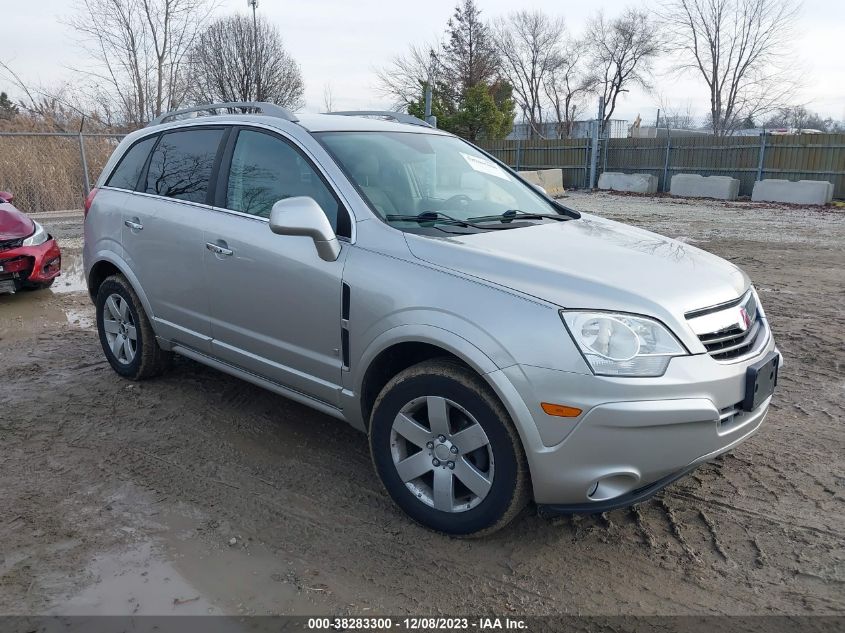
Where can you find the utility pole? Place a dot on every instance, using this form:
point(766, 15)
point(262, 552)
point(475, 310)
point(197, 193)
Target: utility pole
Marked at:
point(254, 5)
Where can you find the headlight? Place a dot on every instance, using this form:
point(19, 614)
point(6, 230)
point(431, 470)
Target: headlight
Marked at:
point(39, 237)
point(621, 344)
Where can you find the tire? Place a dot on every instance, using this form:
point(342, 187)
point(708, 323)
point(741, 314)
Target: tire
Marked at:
point(124, 316)
point(471, 491)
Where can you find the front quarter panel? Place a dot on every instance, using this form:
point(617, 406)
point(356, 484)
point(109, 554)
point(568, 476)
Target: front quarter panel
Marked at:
point(396, 300)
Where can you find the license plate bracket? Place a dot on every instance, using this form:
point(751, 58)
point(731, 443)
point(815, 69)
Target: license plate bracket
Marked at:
point(760, 381)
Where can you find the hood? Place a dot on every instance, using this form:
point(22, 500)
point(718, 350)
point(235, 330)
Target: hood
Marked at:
point(14, 224)
point(590, 263)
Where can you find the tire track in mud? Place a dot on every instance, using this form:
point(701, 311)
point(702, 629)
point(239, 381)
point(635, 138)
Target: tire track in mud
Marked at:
point(318, 525)
point(285, 475)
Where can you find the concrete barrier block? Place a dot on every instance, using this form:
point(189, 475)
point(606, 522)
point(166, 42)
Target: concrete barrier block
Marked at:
point(792, 192)
point(636, 183)
point(552, 181)
point(531, 176)
point(697, 186)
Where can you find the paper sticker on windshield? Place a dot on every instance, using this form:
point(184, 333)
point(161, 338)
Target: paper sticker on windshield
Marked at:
point(485, 166)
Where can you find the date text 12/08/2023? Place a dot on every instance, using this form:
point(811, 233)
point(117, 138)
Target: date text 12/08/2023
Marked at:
point(417, 624)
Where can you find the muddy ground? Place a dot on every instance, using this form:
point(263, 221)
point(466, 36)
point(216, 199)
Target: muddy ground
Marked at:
point(199, 493)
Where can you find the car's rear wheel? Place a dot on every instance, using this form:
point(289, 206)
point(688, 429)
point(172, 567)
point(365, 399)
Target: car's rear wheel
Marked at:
point(447, 451)
point(126, 334)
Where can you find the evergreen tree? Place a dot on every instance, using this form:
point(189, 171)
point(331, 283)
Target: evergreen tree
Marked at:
point(8, 109)
point(469, 53)
point(469, 98)
point(480, 117)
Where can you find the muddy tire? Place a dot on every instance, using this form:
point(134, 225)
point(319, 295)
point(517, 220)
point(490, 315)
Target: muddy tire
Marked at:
point(447, 451)
point(126, 334)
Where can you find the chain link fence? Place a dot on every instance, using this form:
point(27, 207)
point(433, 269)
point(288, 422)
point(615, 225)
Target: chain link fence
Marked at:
point(44, 170)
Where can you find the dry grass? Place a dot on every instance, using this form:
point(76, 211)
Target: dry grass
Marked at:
point(45, 172)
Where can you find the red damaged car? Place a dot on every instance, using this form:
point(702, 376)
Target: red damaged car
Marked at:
point(29, 256)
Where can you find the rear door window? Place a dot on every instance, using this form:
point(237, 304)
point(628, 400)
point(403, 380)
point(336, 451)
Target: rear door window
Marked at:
point(129, 169)
point(182, 163)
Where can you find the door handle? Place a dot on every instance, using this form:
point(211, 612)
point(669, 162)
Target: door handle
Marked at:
point(219, 250)
point(134, 225)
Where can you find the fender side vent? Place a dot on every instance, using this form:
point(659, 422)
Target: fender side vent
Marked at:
point(344, 307)
point(344, 324)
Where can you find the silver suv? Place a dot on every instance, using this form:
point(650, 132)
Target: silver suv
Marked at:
point(495, 345)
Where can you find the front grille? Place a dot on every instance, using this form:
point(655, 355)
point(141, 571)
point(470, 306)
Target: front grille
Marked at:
point(731, 330)
point(6, 245)
point(731, 343)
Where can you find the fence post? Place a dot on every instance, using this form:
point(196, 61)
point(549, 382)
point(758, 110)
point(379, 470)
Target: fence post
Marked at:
point(518, 152)
point(594, 146)
point(586, 148)
point(762, 158)
point(594, 158)
point(605, 145)
point(85, 182)
point(666, 161)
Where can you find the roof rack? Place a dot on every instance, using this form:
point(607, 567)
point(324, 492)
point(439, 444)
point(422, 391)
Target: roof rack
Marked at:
point(260, 107)
point(399, 117)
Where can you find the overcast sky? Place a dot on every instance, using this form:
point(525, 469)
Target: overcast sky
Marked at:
point(339, 43)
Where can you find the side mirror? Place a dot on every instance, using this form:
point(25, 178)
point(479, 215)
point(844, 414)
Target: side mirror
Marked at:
point(5, 196)
point(303, 216)
point(540, 188)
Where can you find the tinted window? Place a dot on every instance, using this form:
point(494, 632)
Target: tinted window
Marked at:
point(181, 164)
point(266, 169)
point(131, 165)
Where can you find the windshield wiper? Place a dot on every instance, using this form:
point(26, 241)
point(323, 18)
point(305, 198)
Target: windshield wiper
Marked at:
point(438, 217)
point(514, 214)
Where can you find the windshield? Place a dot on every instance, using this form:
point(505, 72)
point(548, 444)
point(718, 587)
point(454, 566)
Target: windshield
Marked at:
point(407, 177)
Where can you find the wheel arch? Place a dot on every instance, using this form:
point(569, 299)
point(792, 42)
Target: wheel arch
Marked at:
point(107, 264)
point(413, 344)
point(404, 346)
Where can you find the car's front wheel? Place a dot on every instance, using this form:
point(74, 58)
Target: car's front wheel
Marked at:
point(126, 334)
point(447, 451)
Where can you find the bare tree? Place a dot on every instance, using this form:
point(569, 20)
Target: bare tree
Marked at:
point(798, 117)
point(328, 98)
point(530, 50)
point(60, 106)
point(741, 50)
point(622, 51)
point(139, 48)
point(230, 61)
point(566, 86)
point(678, 116)
point(403, 79)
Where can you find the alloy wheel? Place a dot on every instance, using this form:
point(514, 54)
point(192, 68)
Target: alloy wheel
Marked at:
point(442, 454)
point(120, 330)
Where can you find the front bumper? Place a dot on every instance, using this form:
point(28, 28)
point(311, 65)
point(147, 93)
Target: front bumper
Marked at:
point(635, 436)
point(595, 507)
point(31, 264)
